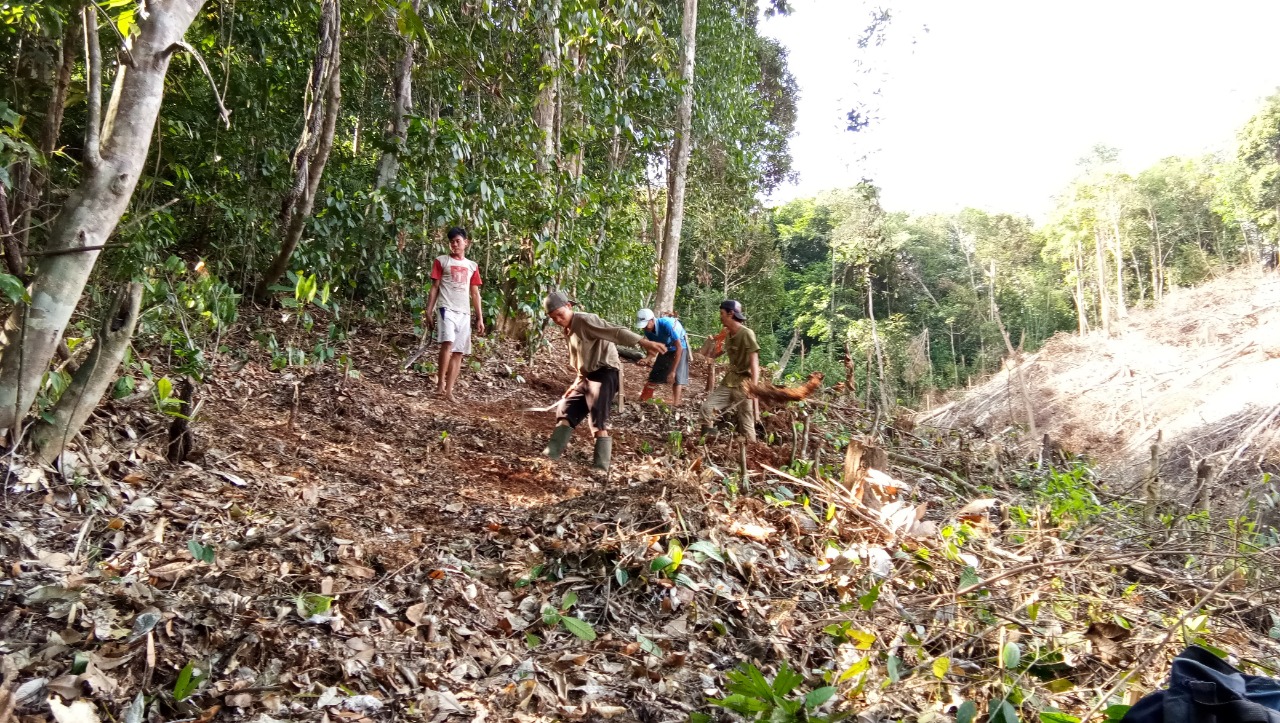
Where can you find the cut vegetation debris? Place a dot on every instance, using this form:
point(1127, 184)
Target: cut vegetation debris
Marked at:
point(347, 548)
point(1199, 375)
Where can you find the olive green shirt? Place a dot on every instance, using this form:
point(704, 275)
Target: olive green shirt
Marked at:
point(739, 347)
point(592, 343)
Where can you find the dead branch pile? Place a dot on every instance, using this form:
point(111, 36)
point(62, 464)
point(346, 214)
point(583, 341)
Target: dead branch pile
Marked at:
point(770, 394)
point(1200, 371)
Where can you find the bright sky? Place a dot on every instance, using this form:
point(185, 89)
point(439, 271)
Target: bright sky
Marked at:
point(990, 103)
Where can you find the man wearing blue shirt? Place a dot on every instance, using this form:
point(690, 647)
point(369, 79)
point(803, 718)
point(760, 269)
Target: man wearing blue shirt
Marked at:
point(671, 367)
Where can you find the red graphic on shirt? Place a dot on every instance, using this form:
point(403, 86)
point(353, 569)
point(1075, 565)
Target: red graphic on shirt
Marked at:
point(458, 273)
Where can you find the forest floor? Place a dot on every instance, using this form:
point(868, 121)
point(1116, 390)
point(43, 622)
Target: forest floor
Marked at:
point(348, 547)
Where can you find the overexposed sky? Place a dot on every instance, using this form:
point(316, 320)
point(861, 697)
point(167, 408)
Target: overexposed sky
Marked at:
point(990, 103)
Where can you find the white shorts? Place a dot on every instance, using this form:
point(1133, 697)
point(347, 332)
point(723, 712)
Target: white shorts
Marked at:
point(454, 328)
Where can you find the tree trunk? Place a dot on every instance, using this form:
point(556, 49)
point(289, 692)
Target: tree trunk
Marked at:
point(323, 99)
point(1082, 311)
point(875, 341)
point(786, 355)
point(92, 378)
point(1117, 252)
point(31, 190)
point(1104, 302)
point(678, 168)
point(544, 109)
point(398, 129)
point(114, 156)
point(12, 251)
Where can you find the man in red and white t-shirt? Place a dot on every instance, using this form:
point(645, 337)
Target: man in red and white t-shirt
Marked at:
point(456, 285)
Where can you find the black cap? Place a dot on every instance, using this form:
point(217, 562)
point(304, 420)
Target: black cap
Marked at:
point(734, 308)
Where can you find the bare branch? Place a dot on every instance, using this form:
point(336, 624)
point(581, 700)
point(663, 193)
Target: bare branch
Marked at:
point(92, 138)
point(222, 109)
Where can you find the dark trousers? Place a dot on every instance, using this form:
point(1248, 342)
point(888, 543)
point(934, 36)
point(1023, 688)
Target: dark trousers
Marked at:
point(592, 397)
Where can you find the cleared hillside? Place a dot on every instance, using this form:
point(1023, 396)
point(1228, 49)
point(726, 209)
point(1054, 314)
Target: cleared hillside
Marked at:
point(1202, 370)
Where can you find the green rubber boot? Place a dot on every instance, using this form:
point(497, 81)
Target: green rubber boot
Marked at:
point(604, 452)
point(559, 440)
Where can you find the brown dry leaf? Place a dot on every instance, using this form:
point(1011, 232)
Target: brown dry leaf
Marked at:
point(359, 572)
point(414, 613)
point(751, 531)
point(171, 571)
point(976, 511)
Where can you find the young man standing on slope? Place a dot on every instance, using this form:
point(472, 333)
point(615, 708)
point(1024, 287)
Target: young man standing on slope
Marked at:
point(744, 364)
point(456, 284)
point(671, 366)
point(593, 354)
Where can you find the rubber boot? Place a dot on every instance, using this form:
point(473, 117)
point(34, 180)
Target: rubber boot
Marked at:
point(604, 452)
point(647, 393)
point(559, 440)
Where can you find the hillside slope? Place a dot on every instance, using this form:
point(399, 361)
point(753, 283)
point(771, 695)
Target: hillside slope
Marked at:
point(1201, 372)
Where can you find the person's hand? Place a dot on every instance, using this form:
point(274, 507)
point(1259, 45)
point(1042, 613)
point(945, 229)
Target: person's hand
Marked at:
point(431, 322)
point(671, 377)
point(653, 346)
point(480, 326)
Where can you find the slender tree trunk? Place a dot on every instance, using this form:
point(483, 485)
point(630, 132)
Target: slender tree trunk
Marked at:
point(115, 152)
point(1117, 252)
point(1137, 275)
point(1082, 310)
point(1104, 303)
point(786, 355)
point(12, 250)
point(323, 100)
point(92, 378)
point(31, 189)
point(875, 342)
point(398, 129)
point(678, 168)
point(1157, 258)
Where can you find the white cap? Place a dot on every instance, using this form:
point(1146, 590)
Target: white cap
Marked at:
point(643, 317)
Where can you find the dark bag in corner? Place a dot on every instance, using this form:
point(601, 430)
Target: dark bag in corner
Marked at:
point(1204, 688)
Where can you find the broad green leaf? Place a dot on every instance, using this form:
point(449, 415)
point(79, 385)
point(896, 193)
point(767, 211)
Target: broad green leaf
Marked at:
point(966, 712)
point(863, 640)
point(818, 696)
point(1057, 717)
point(570, 598)
point(676, 552)
point(699, 718)
point(12, 287)
point(786, 680)
point(532, 641)
point(894, 667)
point(648, 646)
point(1011, 655)
point(941, 667)
point(164, 389)
point(868, 600)
point(661, 562)
point(621, 576)
point(580, 628)
point(1001, 711)
point(1116, 712)
point(707, 548)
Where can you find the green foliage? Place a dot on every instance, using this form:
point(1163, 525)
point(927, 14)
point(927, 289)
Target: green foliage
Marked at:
point(189, 680)
point(202, 553)
point(552, 616)
point(754, 696)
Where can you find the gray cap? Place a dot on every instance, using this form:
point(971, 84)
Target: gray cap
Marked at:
point(555, 300)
